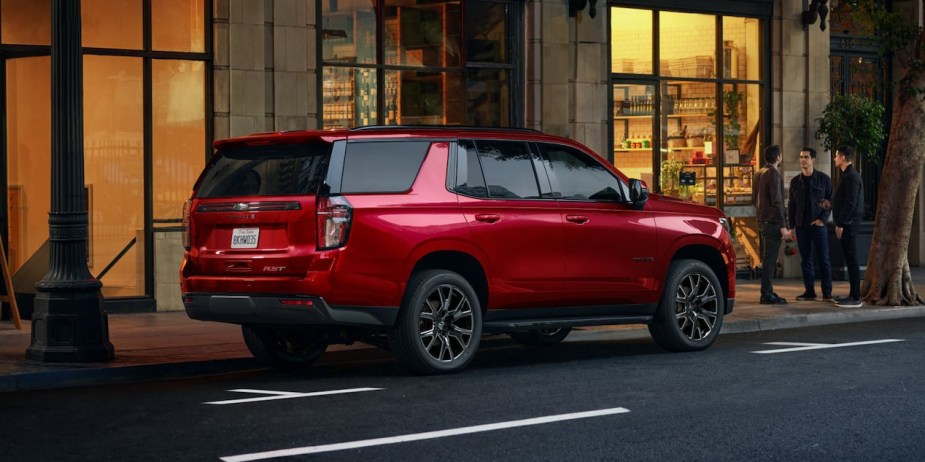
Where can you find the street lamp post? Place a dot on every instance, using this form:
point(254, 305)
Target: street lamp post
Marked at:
point(68, 321)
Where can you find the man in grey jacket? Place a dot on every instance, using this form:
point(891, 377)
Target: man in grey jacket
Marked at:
point(768, 197)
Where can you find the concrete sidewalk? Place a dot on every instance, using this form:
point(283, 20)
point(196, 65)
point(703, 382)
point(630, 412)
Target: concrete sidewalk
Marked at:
point(156, 346)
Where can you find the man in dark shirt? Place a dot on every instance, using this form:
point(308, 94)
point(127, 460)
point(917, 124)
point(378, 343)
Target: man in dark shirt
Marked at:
point(847, 206)
point(807, 219)
point(768, 197)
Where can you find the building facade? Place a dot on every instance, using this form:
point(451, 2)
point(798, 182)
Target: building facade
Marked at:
point(682, 94)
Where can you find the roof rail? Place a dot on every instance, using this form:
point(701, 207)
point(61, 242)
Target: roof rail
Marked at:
point(440, 127)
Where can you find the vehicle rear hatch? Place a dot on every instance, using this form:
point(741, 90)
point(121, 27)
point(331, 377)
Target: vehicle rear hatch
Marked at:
point(253, 212)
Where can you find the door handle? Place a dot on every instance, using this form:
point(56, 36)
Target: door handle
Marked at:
point(487, 217)
point(580, 219)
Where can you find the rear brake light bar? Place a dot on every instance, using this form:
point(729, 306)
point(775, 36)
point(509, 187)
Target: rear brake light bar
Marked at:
point(186, 231)
point(249, 206)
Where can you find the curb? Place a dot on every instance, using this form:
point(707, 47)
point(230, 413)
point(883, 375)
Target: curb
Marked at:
point(107, 375)
point(71, 376)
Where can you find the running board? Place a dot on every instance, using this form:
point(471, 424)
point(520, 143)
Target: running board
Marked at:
point(518, 325)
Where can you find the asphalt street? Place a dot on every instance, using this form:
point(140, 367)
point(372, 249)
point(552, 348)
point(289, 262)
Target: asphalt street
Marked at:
point(843, 392)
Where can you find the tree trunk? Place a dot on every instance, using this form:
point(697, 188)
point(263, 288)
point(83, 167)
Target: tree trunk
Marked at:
point(888, 281)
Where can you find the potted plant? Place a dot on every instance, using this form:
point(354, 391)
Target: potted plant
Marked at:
point(855, 121)
point(731, 126)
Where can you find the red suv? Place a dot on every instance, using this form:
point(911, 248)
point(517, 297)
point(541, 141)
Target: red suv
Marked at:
point(422, 239)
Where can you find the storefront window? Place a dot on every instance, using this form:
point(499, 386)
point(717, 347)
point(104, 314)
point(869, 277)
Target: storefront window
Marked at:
point(693, 130)
point(25, 22)
point(111, 23)
point(419, 73)
point(631, 41)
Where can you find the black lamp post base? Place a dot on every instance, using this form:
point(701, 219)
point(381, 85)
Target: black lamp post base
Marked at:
point(70, 327)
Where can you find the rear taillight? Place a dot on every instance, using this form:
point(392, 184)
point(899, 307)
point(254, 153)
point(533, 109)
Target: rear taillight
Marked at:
point(186, 212)
point(334, 217)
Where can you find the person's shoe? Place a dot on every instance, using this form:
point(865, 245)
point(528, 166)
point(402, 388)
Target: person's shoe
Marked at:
point(828, 298)
point(772, 300)
point(848, 302)
point(806, 297)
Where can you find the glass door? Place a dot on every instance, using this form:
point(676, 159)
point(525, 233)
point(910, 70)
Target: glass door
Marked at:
point(635, 108)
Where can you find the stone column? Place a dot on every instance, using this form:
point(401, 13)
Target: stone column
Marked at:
point(68, 321)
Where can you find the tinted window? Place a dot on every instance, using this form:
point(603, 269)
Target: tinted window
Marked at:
point(382, 166)
point(579, 177)
point(266, 170)
point(508, 169)
point(469, 178)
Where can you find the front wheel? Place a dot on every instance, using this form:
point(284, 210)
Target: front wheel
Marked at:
point(439, 324)
point(690, 313)
point(541, 337)
point(285, 347)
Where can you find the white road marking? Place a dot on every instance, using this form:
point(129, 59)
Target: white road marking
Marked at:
point(285, 395)
point(821, 346)
point(421, 436)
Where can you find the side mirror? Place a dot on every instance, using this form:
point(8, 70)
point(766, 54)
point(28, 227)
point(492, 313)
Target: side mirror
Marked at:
point(639, 194)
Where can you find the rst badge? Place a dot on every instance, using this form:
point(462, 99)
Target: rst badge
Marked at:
point(245, 238)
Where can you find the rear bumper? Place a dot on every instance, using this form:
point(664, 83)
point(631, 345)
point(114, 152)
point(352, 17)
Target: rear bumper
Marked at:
point(269, 309)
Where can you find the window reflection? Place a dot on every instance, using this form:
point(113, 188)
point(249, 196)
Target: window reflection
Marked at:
point(178, 132)
point(111, 23)
point(508, 169)
point(28, 150)
point(114, 170)
point(422, 35)
point(741, 55)
point(687, 45)
point(178, 25)
point(631, 41)
point(486, 33)
point(25, 22)
point(488, 97)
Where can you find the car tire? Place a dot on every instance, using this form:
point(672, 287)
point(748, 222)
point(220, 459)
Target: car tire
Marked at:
point(541, 337)
point(690, 313)
point(285, 347)
point(439, 325)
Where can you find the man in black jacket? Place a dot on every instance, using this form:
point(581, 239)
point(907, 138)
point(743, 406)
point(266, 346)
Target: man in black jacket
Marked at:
point(807, 219)
point(768, 196)
point(847, 206)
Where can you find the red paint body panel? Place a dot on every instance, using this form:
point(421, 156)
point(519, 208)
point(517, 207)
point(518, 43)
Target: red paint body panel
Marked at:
point(534, 253)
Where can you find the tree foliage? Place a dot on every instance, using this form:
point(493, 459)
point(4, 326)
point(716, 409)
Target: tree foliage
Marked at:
point(853, 120)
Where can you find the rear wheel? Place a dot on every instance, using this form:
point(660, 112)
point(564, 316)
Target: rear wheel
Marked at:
point(690, 313)
point(440, 323)
point(541, 337)
point(285, 347)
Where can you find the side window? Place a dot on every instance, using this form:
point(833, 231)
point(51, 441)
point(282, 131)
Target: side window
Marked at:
point(382, 166)
point(508, 169)
point(469, 178)
point(579, 177)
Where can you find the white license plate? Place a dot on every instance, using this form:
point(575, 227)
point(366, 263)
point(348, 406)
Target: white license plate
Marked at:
point(245, 238)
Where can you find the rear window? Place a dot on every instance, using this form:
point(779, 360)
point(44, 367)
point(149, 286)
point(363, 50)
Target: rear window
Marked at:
point(273, 170)
point(382, 166)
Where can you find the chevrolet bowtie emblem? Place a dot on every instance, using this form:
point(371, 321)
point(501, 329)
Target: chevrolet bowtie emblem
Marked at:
point(241, 206)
